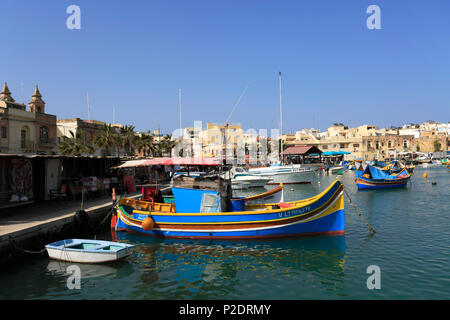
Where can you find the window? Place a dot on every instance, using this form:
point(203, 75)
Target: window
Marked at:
point(389, 144)
point(4, 132)
point(43, 135)
point(405, 143)
point(23, 138)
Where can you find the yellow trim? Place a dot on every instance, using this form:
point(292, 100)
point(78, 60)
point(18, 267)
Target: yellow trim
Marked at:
point(337, 206)
point(241, 213)
point(267, 193)
point(295, 205)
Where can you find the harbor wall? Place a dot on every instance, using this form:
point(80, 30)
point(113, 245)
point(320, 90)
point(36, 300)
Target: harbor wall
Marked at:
point(30, 241)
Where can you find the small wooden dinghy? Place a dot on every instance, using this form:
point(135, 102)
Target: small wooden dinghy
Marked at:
point(88, 251)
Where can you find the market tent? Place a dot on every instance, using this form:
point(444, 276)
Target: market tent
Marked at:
point(167, 161)
point(191, 161)
point(133, 163)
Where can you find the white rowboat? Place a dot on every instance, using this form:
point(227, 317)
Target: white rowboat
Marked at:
point(88, 251)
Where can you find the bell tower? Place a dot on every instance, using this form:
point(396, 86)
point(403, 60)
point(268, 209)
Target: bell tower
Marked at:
point(37, 105)
point(5, 95)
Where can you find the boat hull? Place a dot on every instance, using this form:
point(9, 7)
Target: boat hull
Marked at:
point(366, 184)
point(323, 215)
point(271, 196)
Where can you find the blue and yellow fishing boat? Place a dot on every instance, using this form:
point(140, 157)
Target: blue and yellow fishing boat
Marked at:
point(374, 178)
point(204, 212)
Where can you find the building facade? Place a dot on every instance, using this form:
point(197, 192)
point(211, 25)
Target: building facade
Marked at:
point(25, 131)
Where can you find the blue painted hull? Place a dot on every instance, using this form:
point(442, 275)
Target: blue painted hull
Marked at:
point(333, 224)
point(320, 215)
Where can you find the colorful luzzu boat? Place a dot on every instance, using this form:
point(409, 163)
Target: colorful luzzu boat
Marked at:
point(322, 214)
point(373, 178)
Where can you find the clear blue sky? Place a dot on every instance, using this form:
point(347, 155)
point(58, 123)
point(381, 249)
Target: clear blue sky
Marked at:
point(134, 55)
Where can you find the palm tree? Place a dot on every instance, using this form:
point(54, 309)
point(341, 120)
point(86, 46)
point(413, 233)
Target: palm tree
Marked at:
point(75, 144)
point(108, 140)
point(167, 144)
point(128, 138)
point(147, 143)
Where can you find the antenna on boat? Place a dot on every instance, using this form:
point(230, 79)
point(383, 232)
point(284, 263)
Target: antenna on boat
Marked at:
point(236, 104)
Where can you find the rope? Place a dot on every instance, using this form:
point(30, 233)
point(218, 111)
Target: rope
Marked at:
point(359, 213)
point(11, 240)
point(104, 219)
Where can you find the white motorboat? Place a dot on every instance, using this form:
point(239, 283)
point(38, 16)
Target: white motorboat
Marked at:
point(242, 179)
point(294, 173)
point(336, 169)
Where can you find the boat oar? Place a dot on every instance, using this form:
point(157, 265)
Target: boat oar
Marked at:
point(359, 213)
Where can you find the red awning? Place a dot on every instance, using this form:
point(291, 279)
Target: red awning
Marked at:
point(301, 150)
point(167, 161)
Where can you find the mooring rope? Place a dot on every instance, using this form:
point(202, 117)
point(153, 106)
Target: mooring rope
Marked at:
point(11, 240)
point(359, 212)
point(104, 219)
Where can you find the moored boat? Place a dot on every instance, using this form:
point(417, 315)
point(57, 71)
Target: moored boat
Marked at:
point(322, 214)
point(374, 178)
point(88, 251)
point(285, 174)
point(242, 179)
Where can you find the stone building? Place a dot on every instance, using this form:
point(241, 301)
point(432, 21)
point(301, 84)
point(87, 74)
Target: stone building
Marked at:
point(26, 132)
point(386, 146)
point(427, 141)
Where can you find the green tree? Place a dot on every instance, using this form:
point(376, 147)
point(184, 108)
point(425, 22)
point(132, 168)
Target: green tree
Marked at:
point(128, 138)
point(108, 140)
point(145, 143)
point(436, 146)
point(75, 145)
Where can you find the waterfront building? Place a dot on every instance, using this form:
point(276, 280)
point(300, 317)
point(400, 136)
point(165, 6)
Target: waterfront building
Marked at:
point(89, 129)
point(23, 131)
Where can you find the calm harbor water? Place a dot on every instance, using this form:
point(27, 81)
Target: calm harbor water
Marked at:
point(411, 248)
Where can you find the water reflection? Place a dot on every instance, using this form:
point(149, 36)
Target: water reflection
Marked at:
point(116, 270)
point(176, 269)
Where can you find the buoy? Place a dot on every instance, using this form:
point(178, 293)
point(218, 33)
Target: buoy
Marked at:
point(433, 183)
point(425, 175)
point(147, 224)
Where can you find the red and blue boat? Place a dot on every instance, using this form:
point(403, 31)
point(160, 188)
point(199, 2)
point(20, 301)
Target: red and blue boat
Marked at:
point(206, 211)
point(374, 178)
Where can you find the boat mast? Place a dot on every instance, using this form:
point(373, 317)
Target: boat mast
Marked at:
point(281, 110)
point(89, 107)
point(179, 103)
point(280, 146)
